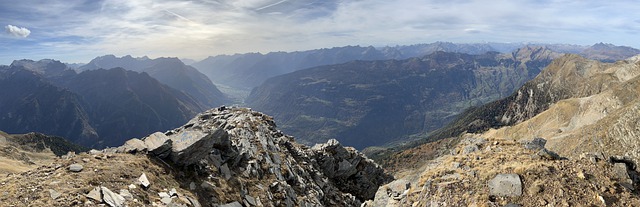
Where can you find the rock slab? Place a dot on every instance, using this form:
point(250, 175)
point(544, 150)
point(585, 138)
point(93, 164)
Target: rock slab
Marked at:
point(507, 185)
point(144, 181)
point(110, 198)
point(75, 167)
point(95, 194)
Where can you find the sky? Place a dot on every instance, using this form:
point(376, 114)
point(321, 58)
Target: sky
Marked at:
point(76, 31)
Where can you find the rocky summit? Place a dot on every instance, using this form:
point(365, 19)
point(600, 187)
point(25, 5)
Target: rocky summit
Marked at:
point(222, 157)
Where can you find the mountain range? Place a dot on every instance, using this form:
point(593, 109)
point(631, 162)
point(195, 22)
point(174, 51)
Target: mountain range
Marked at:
point(246, 71)
point(95, 108)
point(169, 71)
point(368, 103)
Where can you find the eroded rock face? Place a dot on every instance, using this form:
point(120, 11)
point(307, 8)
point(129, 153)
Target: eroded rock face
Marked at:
point(247, 160)
point(345, 165)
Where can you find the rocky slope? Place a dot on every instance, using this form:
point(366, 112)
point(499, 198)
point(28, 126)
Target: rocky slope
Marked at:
point(588, 156)
point(222, 157)
point(487, 171)
point(169, 71)
point(22, 152)
point(368, 103)
point(601, 122)
point(570, 76)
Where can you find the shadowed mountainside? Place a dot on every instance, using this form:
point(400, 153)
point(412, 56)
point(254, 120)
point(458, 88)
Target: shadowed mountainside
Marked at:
point(169, 71)
point(124, 104)
point(96, 108)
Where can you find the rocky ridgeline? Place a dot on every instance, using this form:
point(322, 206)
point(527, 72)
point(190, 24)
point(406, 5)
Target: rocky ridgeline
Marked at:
point(239, 158)
point(505, 172)
point(223, 157)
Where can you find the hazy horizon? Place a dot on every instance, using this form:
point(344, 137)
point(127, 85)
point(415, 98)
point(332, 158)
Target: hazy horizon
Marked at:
point(77, 31)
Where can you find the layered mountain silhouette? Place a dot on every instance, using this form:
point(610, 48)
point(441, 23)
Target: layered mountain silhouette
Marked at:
point(30, 103)
point(169, 71)
point(366, 103)
point(245, 71)
point(96, 108)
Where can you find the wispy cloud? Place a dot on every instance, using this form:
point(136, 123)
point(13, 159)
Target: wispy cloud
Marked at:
point(77, 30)
point(17, 31)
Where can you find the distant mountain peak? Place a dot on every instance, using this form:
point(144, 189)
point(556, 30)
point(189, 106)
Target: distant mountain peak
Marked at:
point(47, 67)
point(607, 52)
point(168, 70)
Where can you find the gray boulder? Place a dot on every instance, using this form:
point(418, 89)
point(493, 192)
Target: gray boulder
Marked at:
point(95, 194)
point(508, 185)
point(54, 194)
point(620, 173)
point(548, 154)
point(191, 146)
point(594, 157)
point(75, 167)
point(471, 148)
point(535, 144)
point(126, 194)
point(158, 144)
point(133, 145)
point(111, 198)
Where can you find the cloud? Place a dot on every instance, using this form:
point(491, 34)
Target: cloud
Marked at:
point(17, 31)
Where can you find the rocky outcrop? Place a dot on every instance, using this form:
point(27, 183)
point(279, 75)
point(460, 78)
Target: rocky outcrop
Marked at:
point(508, 172)
point(242, 154)
point(355, 173)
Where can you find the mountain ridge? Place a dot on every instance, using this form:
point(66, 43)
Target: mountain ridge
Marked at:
point(343, 100)
point(96, 108)
point(248, 70)
point(170, 71)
